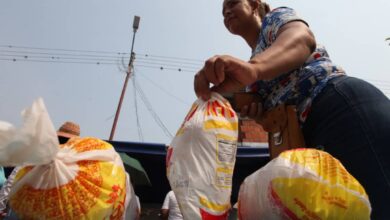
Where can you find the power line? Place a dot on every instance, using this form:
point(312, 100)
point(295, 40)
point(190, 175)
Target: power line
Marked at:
point(55, 57)
point(60, 49)
point(158, 63)
point(161, 67)
point(170, 57)
point(95, 63)
point(76, 56)
point(167, 68)
point(151, 110)
point(57, 61)
point(59, 54)
point(197, 64)
point(140, 136)
point(88, 59)
point(93, 52)
point(165, 91)
point(51, 55)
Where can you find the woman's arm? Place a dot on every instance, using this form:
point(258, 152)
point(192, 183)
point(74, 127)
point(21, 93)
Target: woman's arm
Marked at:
point(293, 46)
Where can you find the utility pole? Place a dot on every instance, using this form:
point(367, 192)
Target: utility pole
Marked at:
point(128, 73)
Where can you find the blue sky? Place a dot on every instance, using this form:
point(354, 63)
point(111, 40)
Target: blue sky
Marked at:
point(353, 31)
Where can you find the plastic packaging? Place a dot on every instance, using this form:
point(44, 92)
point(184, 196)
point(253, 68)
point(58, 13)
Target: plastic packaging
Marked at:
point(82, 179)
point(201, 158)
point(303, 184)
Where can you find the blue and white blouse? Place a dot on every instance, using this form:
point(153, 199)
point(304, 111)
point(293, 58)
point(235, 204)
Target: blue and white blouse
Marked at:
point(298, 87)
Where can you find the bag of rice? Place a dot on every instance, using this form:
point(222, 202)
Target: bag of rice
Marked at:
point(82, 179)
point(201, 158)
point(303, 184)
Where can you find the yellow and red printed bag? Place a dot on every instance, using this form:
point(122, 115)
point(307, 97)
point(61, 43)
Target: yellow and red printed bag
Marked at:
point(303, 184)
point(201, 158)
point(82, 179)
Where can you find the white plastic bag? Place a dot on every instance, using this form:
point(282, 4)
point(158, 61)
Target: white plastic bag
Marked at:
point(302, 184)
point(34, 143)
point(82, 179)
point(201, 158)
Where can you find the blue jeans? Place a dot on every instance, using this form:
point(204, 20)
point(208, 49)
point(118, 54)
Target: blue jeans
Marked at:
point(350, 119)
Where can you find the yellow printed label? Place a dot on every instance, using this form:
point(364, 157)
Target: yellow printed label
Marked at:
point(226, 151)
point(224, 177)
point(227, 137)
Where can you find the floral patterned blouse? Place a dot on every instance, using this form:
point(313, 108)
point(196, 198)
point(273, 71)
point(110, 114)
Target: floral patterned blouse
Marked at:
point(298, 87)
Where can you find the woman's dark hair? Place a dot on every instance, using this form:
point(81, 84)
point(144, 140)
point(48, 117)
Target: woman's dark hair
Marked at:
point(263, 8)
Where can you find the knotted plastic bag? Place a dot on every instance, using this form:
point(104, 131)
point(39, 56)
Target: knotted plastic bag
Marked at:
point(303, 184)
point(201, 159)
point(82, 179)
point(35, 143)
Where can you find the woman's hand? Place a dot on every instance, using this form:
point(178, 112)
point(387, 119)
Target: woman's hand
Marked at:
point(254, 111)
point(226, 73)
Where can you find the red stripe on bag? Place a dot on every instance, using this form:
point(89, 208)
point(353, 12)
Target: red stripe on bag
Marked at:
point(207, 216)
point(169, 155)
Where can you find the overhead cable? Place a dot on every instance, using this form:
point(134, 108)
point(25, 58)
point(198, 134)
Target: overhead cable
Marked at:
point(167, 68)
point(13, 47)
point(151, 110)
point(140, 136)
point(59, 49)
point(164, 90)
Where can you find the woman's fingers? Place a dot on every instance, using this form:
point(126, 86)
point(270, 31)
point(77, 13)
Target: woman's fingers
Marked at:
point(202, 86)
point(228, 74)
point(244, 111)
point(259, 113)
point(228, 85)
point(219, 70)
point(213, 70)
point(252, 110)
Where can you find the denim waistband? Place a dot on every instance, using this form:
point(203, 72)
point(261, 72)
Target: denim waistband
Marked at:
point(337, 79)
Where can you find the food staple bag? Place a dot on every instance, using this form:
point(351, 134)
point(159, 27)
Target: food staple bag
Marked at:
point(303, 184)
point(82, 179)
point(201, 158)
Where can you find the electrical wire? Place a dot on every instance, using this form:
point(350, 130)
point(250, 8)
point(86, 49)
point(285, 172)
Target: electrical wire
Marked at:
point(173, 65)
point(140, 136)
point(57, 61)
point(164, 90)
point(197, 64)
point(56, 57)
point(58, 54)
point(45, 57)
point(166, 68)
point(58, 49)
point(98, 57)
point(151, 110)
point(170, 57)
point(95, 52)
